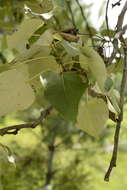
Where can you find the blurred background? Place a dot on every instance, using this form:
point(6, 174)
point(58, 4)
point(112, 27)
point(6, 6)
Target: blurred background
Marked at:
point(56, 155)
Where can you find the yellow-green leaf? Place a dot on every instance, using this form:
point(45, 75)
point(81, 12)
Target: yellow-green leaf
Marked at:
point(40, 65)
point(96, 66)
point(84, 62)
point(92, 116)
point(108, 84)
point(38, 49)
point(24, 32)
point(70, 48)
point(15, 93)
point(114, 97)
point(40, 6)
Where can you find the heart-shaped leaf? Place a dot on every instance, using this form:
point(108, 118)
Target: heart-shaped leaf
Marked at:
point(64, 91)
point(92, 116)
point(15, 93)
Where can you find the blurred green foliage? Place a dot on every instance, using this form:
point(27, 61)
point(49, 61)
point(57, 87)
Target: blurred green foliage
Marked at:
point(79, 161)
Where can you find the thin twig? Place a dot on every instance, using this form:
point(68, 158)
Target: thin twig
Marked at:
point(106, 18)
point(71, 13)
point(16, 128)
point(120, 118)
point(87, 24)
point(121, 18)
point(119, 35)
point(116, 4)
point(107, 25)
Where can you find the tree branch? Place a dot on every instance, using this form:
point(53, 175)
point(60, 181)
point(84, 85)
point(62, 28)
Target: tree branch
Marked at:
point(121, 18)
point(106, 17)
point(119, 35)
point(119, 31)
point(51, 152)
point(120, 118)
point(16, 128)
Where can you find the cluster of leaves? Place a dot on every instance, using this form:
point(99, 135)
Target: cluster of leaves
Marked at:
point(45, 60)
point(39, 58)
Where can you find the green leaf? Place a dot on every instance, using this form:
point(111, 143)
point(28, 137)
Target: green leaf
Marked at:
point(42, 64)
point(57, 36)
point(33, 68)
point(24, 70)
point(15, 93)
point(92, 116)
point(71, 49)
point(34, 52)
point(84, 62)
point(114, 97)
point(38, 66)
point(25, 30)
point(108, 84)
point(37, 34)
point(40, 6)
point(60, 3)
point(96, 66)
point(40, 48)
point(64, 91)
point(111, 108)
point(4, 67)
